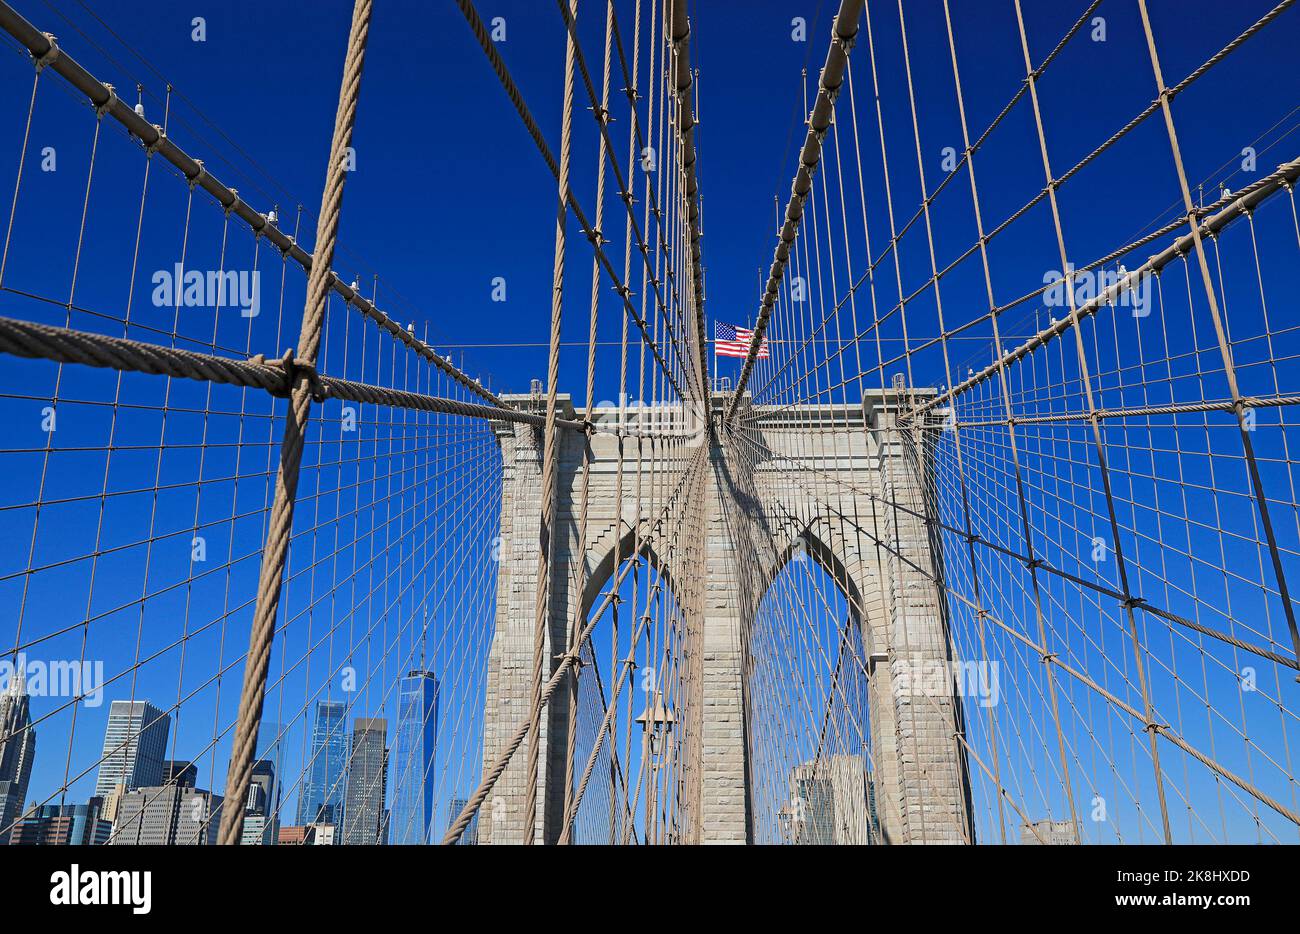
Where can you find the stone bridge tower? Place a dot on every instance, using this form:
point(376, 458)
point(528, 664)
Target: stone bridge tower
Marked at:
point(870, 488)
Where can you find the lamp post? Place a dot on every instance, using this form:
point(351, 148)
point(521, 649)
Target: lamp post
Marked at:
point(656, 722)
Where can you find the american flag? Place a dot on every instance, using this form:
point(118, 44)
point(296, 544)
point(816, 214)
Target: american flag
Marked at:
point(732, 341)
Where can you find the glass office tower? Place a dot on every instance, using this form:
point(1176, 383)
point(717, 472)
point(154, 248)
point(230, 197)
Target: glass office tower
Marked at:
point(321, 798)
point(135, 743)
point(413, 779)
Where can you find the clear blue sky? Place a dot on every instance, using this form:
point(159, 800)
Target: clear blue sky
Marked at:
point(449, 192)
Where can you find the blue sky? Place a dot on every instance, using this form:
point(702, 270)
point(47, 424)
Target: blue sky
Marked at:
point(449, 192)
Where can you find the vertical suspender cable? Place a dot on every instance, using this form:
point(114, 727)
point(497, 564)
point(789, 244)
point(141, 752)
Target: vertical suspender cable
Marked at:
point(549, 453)
point(276, 548)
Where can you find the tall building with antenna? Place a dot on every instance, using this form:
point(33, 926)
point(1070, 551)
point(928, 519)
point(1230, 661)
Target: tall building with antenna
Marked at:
point(417, 740)
point(17, 751)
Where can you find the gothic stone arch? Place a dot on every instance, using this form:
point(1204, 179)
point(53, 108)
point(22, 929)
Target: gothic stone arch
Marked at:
point(835, 516)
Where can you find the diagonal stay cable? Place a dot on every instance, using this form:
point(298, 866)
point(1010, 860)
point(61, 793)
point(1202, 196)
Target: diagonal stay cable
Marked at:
point(843, 34)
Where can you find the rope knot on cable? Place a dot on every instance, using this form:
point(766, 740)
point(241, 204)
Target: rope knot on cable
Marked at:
point(293, 368)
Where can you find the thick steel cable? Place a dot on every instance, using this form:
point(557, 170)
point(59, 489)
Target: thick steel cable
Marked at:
point(67, 345)
point(1021, 499)
point(575, 621)
point(550, 455)
point(680, 35)
point(1224, 342)
point(1246, 201)
point(931, 521)
point(482, 35)
point(154, 139)
point(635, 140)
point(843, 33)
point(984, 240)
point(600, 112)
point(280, 523)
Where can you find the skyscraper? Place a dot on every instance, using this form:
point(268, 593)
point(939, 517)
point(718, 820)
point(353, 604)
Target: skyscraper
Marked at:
point(179, 772)
point(63, 825)
point(167, 815)
point(17, 751)
point(323, 790)
point(831, 802)
point(813, 803)
point(364, 817)
point(417, 740)
point(261, 809)
point(134, 746)
point(470, 836)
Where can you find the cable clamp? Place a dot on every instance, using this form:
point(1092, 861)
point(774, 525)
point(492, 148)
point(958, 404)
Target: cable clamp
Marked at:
point(197, 177)
point(152, 148)
point(1049, 656)
point(1131, 603)
point(572, 657)
point(108, 104)
point(51, 54)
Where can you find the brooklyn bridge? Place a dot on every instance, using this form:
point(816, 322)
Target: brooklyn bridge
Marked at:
point(976, 524)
